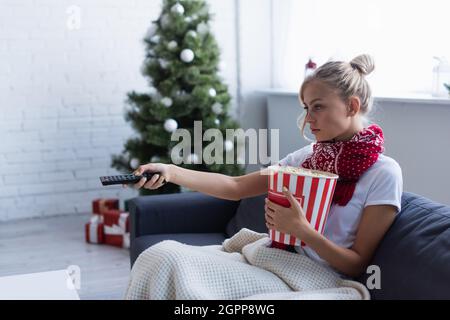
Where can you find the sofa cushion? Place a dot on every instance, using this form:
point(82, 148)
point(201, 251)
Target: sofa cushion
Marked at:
point(414, 255)
point(250, 215)
point(197, 239)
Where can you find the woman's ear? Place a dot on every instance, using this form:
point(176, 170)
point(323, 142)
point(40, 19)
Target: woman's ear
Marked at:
point(354, 106)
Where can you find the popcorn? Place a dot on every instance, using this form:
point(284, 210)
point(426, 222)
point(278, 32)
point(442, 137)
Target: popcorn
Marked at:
point(305, 172)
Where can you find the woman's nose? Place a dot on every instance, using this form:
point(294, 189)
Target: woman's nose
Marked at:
point(309, 118)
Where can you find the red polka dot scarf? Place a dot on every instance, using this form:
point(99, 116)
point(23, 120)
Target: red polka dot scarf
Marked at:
point(349, 159)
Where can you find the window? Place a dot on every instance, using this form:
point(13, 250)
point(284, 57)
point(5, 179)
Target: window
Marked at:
point(402, 36)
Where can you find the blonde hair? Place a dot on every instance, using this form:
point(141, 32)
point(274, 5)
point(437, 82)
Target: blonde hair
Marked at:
point(348, 79)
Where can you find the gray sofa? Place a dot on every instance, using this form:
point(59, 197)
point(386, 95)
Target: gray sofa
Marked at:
point(414, 256)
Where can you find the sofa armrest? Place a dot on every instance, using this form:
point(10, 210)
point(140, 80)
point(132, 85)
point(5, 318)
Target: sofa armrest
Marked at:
point(189, 212)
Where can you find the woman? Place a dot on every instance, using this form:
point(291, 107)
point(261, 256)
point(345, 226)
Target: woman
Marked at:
point(337, 99)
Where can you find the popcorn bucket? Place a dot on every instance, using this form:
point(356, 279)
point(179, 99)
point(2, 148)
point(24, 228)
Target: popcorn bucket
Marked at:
point(314, 191)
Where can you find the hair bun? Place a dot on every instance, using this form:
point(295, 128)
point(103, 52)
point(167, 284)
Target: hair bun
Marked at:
point(364, 63)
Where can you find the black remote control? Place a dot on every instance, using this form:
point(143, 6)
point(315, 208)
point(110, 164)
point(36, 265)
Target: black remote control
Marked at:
point(125, 178)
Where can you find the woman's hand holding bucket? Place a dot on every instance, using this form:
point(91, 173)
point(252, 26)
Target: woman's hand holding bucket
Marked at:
point(288, 220)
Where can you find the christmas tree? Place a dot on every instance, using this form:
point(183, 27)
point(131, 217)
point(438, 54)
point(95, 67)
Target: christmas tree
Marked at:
point(182, 68)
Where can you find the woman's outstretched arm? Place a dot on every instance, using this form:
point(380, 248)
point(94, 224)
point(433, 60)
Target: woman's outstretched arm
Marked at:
point(214, 184)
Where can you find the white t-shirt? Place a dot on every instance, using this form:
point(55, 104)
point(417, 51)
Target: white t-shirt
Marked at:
point(381, 184)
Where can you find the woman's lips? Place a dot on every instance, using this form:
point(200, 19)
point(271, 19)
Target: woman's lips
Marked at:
point(315, 130)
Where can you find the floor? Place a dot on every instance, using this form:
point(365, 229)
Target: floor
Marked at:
point(54, 243)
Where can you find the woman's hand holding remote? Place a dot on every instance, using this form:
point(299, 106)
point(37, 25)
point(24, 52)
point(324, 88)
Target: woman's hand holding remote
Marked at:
point(157, 180)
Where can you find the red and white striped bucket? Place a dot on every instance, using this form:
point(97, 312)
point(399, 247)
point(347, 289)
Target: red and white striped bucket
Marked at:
point(314, 191)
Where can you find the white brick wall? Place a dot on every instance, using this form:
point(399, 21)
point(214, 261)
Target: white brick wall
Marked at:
point(62, 97)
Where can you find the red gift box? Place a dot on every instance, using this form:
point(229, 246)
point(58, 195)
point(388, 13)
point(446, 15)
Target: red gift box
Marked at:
point(117, 217)
point(94, 231)
point(99, 206)
point(116, 228)
point(118, 240)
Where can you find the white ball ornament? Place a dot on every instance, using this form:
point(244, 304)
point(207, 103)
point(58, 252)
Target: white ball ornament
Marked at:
point(212, 92)
point(170, 125)
point(217, 122)
point(155, 38)
point(202, 28)
point(172, 45)
point(188, 19)
point(134, 163)
point(229, 145)
point(167, 102)
point(151, 31)
point(155, 159)
point(217, 108)
point(187, 55)
point(191, 33)
point(177, 8)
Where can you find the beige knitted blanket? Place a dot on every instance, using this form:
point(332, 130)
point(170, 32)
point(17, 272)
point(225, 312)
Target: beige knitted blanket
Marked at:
point(243, 267)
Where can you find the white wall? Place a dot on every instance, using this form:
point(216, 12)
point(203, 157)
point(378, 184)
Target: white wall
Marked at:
point(417, 137)
point(63, 95)
point(255, 63)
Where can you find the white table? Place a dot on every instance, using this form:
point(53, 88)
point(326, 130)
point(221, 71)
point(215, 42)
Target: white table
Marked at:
point(50, 285)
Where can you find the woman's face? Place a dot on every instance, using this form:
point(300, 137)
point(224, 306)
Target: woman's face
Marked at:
point(327, 114)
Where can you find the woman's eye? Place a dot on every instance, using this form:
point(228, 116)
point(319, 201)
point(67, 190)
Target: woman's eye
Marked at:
point(318, 107)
